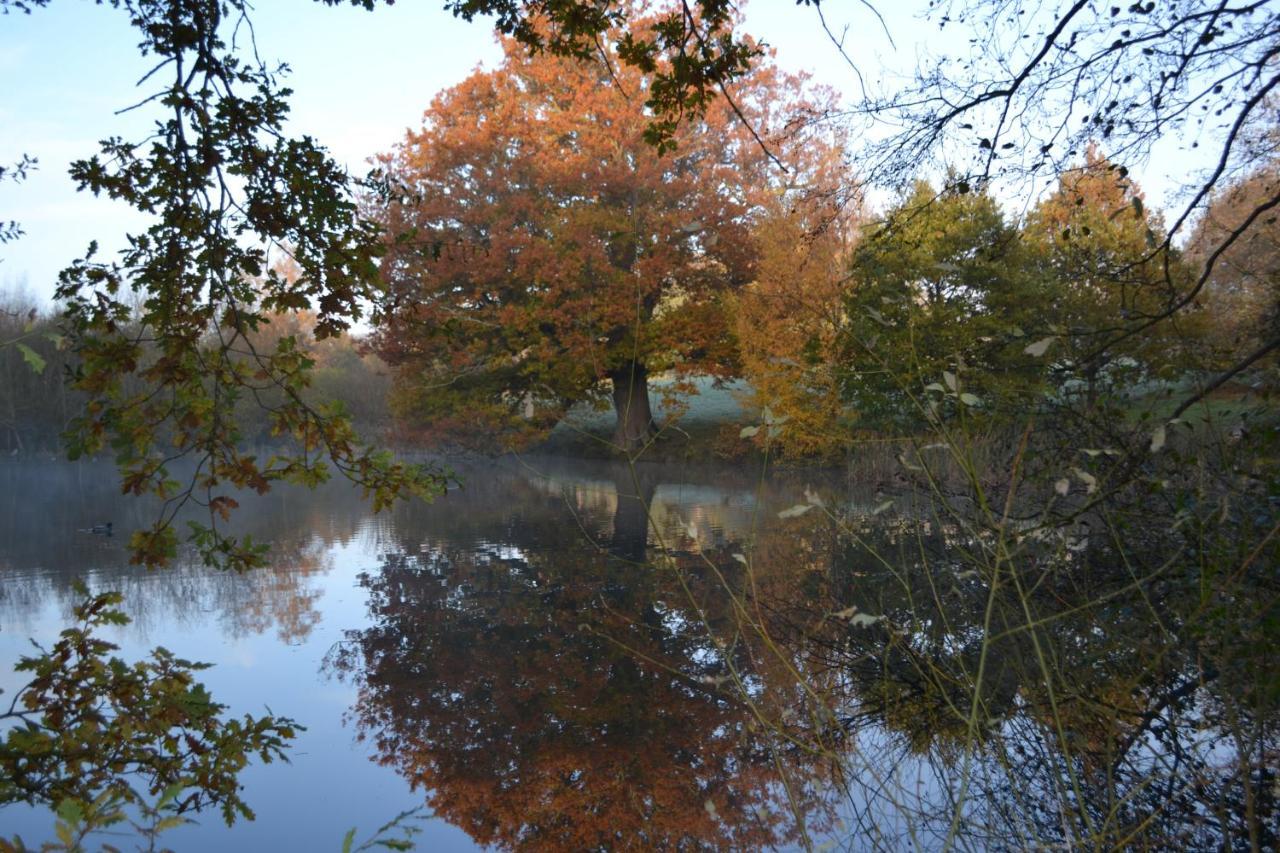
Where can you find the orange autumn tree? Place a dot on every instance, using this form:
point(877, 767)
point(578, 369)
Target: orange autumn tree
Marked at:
point(541, 253)
point(1242, 293)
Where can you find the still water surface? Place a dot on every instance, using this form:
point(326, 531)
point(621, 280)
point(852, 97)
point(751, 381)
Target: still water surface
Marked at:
point(433, 653)
point(566, 655)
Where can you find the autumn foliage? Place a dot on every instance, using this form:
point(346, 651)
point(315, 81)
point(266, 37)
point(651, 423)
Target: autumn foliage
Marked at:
point(1104, 269)
point(788, 320)
point(1242, 293)
point(540, 253)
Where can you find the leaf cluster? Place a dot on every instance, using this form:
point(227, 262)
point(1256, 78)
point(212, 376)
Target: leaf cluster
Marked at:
point(691, 50)
point(164, 371)
point(12, 230)
point(91, 729)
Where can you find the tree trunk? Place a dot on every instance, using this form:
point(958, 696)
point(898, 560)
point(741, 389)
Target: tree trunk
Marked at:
point(635, 489)
point(1091, 387)
point(631, 404)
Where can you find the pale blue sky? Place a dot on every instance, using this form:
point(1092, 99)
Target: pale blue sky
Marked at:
point(360, 79)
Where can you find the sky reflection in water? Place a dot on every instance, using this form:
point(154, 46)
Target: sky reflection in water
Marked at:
point(544, 667)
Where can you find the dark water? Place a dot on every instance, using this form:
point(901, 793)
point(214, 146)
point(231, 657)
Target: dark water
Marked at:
point(586, 656)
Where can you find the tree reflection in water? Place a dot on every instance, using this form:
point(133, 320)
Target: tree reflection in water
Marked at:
point(1087, 700)
point(563, 695)
point(591, 671)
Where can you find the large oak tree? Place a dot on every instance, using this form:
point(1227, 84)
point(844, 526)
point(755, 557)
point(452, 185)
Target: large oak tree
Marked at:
point(541, 254)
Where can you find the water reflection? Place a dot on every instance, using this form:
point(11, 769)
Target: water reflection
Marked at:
point(1076, 694)
point(583, 656)
point(549, 687)
point(610, 663)
point(46, 513)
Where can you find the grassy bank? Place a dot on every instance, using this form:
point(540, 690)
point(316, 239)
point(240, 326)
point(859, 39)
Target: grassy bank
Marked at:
point(693, 427)
point(705, 427)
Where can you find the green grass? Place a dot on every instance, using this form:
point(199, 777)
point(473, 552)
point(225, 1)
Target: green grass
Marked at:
point(1227, 409)
point(694, 424)
point(704, 426)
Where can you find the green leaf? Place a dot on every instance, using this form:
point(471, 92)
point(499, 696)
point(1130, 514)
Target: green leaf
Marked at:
point(969, 399)
point(1157, 439)
point(348, 840)
point(748, 431)
point(169, 795)
point(795, 511)
point(33, 359)
point(1040, 347)
point(71, 812)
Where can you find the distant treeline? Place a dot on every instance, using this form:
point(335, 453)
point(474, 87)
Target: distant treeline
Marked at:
point(35, 402)
point(38, 403)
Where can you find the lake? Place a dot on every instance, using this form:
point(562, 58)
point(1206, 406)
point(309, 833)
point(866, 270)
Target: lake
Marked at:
point(573, 655)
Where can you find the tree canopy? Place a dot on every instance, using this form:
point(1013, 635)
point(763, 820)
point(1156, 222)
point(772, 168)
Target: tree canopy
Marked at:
point(226, 187)
point(1037, 84)
point(788, 320)
point(537, 249)
point(220, 174)
point(1243, 291)
point(938, 290)
point(1103, 264)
